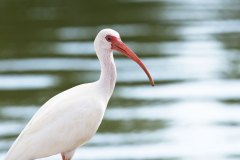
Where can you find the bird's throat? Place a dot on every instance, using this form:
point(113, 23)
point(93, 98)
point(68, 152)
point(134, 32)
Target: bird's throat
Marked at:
point(108, 74)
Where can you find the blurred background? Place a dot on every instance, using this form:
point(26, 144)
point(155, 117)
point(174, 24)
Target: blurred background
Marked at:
point(191, 47)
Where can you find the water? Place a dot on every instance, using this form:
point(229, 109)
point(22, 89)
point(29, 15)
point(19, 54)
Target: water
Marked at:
point(191, 47)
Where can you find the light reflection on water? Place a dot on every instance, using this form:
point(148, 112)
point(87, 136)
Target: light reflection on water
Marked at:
point(187, 90)
point(190, 47)
point(19, 82)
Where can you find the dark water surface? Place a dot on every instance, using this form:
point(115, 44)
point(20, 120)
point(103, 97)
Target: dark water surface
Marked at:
point(191, 47)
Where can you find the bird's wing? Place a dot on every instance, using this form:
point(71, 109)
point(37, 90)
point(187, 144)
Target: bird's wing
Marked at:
point(66, 118)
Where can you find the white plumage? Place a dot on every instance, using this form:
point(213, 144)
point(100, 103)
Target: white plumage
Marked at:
point(71, 118)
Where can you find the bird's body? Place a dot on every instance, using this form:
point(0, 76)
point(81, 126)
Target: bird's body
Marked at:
point(60, 117)
point(72, 117)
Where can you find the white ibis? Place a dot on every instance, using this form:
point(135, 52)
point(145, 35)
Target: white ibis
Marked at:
point(71, 118)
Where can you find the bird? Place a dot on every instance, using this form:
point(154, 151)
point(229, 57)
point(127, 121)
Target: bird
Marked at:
point(71, 118)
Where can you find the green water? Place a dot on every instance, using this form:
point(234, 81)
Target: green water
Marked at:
point(191, 47)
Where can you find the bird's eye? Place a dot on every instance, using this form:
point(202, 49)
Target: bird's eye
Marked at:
point(108, 38)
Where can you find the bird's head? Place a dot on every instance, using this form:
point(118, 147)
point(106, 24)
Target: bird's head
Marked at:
point(108, 40)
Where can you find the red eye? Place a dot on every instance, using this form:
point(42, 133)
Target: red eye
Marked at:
point(108, 38)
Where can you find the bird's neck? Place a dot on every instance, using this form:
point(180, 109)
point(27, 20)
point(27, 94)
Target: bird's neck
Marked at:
point(108, 73)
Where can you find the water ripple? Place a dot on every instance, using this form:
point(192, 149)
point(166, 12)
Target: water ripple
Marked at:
point(215, 89)
point(19, 82)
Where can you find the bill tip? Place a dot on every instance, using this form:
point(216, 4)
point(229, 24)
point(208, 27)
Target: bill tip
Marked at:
point(152, 84)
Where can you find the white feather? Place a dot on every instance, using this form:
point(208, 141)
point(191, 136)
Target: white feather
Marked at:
point(63, 123)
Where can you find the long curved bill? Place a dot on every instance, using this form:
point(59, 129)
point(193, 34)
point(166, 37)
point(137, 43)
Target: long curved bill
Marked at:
point(118, 45)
